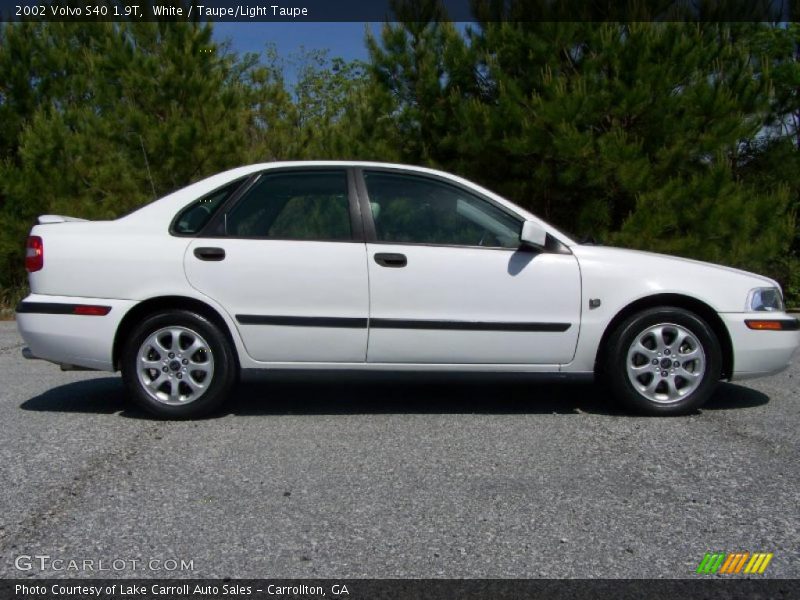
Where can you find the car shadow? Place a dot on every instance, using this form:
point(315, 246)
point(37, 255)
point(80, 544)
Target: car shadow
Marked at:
point(104, 395)
point(332, 396)
point(732, 395)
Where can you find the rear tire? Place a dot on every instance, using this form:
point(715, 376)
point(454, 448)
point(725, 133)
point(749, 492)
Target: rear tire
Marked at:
point(178, 365)
point(662, 361)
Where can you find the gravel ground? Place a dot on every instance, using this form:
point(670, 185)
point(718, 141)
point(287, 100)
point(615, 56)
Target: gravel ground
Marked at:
point(396, 480)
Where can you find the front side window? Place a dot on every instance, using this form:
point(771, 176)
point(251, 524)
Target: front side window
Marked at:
point(418, 210)
point(309, 205)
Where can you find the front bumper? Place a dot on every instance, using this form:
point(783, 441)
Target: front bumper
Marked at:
point(759, 352)
point(53, 333)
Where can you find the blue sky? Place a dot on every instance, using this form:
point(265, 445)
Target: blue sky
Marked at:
point(345, 40)
point(341, 39)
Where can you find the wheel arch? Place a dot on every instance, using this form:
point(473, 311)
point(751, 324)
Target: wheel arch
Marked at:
point(161, 303)
point(703, 310)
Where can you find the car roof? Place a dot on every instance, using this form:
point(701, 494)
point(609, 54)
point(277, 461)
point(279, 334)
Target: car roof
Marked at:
point(165, 208)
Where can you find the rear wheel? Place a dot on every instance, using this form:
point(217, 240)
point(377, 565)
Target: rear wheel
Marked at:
point(663, 361)
point(178, 364)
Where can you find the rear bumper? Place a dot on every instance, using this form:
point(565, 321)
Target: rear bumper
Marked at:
point(53, 332)
point(757, 353)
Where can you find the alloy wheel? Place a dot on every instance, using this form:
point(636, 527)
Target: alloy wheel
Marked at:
point(175, 365)
point(665, 363)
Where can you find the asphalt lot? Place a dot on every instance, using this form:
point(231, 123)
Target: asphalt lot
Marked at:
point(333, 479)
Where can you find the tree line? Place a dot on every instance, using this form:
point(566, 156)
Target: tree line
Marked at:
point(672, 137)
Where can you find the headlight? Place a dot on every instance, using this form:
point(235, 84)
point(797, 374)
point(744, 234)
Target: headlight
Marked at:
point(765, 299)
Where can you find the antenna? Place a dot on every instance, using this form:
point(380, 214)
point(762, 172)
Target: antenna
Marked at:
point(146, 162)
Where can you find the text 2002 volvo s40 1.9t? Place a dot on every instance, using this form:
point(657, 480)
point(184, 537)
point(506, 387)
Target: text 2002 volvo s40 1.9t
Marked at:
point(369, 266)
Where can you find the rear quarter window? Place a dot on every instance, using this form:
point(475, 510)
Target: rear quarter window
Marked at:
point(194, 217)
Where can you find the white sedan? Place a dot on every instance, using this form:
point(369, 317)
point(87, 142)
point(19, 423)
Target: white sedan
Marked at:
point(370, 266)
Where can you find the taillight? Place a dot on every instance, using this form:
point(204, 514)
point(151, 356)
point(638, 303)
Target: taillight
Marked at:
point(34, 254)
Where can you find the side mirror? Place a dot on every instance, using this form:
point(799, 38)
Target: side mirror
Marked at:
point(533, 235)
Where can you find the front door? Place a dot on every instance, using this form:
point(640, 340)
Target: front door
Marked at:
point(449, 283)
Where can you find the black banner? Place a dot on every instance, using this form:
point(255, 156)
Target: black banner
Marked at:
point(397, 589)
point(401, 10)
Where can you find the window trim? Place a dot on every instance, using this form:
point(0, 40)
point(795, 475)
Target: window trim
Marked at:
point(369, 223)
point(212, 229)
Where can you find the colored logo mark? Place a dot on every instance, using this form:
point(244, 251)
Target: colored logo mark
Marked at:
point(734, 562)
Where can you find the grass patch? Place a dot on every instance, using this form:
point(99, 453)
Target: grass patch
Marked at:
point(9, 298)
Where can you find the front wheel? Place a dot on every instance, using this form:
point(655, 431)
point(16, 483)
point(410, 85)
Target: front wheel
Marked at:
point(178, 364)
point(663, 361)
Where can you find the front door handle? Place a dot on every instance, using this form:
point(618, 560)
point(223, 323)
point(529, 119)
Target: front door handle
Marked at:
point(390, 259)
point(215, 254)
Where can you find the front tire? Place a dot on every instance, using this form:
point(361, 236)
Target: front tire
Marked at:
point(663, 361)
point(177, 364)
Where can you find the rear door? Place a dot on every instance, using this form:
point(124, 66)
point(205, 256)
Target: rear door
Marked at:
point(449, 282)
point(288, 262)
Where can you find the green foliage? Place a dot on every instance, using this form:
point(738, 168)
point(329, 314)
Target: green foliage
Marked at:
point(711, 217)
point(674, 137)
point(10, 297)
point(307, 121)
point(108, 117)
point(660, 136)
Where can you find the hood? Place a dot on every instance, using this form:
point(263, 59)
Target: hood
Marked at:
point(612, 251)
point(665, 273)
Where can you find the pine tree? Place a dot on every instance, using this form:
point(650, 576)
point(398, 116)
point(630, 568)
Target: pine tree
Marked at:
point(422, 71)
point(634, 133)
point(675, 137)
point(105, 117)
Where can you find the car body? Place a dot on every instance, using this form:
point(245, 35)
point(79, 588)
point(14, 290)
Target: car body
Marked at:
point(373, 266)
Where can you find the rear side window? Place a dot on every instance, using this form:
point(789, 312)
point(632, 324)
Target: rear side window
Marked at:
point(196, 215)
point(308, 205)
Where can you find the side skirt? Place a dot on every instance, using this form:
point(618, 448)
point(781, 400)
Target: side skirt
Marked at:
point(422, 376)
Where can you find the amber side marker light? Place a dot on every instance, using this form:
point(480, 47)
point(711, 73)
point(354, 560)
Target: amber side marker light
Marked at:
point(773, 325)
point(91, 311)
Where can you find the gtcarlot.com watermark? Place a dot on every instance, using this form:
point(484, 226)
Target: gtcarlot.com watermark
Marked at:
point(47, 563)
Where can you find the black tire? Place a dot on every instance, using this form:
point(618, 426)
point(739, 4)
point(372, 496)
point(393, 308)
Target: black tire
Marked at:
point(211, 388)
point(615, 360)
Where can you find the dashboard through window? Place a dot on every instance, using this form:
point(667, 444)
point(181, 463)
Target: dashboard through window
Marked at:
point(307, 205)
point(419, 210)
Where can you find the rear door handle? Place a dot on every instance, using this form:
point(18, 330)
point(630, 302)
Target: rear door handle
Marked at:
point(390, 259)
point(215, 254)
